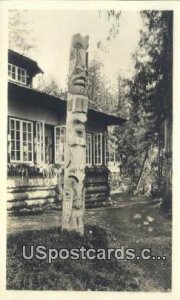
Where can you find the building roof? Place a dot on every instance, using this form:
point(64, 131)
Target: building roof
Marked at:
point(24, 62)
point(42, 99)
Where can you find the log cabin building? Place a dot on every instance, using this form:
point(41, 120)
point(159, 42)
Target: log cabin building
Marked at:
point(36, 142)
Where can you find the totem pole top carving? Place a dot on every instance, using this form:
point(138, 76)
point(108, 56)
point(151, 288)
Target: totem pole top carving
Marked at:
point(78, 65)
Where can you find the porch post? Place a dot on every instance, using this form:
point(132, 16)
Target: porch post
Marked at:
point(75, 151)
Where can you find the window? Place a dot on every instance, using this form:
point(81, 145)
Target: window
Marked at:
point(106, 149)
point(60, 138)
point(112, 150)
point(93, 146)
point(17, 74)
point(21, 133)
point(40, 144)
point(88, 149)
point(98, 149)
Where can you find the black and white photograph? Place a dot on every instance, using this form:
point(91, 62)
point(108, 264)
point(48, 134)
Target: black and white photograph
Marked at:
point(89, 149)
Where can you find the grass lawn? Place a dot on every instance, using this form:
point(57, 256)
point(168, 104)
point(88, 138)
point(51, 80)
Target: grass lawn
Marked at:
point(112, 227)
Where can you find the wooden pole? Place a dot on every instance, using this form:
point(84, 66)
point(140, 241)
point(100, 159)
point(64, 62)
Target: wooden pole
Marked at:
point(75, 154)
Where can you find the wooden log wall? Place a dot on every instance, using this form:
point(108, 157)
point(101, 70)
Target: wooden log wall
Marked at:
point(38, 192)
point(97, 187)
point(28, 193)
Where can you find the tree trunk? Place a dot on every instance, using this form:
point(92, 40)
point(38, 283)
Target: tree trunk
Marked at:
point(141, 172)
point(75, 155)
point(167, 198)
point(159, 161)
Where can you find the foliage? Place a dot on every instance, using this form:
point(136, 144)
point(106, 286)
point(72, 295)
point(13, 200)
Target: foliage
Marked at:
point(100, 92)
point(24, 170)
point(153, 63)
point(21, 36)
point(113, 17)
point(152, 85)
point(149, 94)
point(124, 101)
point(49, 85)
point(131, 134)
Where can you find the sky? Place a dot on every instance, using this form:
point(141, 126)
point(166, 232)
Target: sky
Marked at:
point(53, 30)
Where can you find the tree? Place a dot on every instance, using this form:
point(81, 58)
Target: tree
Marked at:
point(113, 18)
point(133, 136)
point(21, 36)
point(150, 94)
point(152, 85)
point(100, 93)
point(49, 85)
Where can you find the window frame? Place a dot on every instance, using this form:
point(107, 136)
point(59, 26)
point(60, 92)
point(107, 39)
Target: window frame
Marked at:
point(90, 158)
point(21, 140)
point(61, 162)
point(40, 143)
point(106, 149)
point(101, 149)
point(112, 153)
point(16, 73)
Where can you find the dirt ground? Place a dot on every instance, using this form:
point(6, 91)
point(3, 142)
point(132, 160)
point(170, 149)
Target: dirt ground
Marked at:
point(52, 218)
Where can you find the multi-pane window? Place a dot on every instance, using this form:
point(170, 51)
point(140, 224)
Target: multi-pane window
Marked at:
point(60, 138)
point(98, 149)
point(88, 149)
point(21, 133)
point(40, 142)
point(17, 74)
point(12, 71)
point(110, 150)
point(106, 149)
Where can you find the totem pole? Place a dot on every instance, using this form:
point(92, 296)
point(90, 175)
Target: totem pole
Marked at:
point(75, 151)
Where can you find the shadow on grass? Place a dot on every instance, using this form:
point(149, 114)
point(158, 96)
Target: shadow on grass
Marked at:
point(69, 274)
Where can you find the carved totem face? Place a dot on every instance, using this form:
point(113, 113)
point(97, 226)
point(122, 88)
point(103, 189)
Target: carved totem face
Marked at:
point(78, 65)
point(76, 134)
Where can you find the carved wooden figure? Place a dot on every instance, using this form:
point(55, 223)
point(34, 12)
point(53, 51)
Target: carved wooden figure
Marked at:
point(75, 154)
